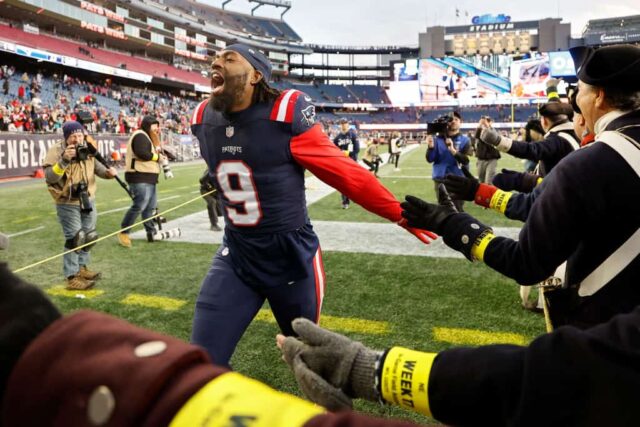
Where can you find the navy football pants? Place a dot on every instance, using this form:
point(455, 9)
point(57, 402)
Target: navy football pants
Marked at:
point(226, 305)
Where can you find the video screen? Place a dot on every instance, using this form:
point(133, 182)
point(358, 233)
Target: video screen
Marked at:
point(561, 64)
point(528, 77)
point(406, 70)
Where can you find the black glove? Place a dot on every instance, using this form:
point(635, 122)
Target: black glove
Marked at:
point(433, 217)
point(462, 187)
point(25, 312)
point(509, 180)
point(458, 230)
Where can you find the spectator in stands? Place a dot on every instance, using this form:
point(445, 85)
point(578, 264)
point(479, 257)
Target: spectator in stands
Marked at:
point(487, 154)
point(449, 153)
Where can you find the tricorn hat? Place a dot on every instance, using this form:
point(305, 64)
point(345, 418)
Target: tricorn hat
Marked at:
point(609, 67)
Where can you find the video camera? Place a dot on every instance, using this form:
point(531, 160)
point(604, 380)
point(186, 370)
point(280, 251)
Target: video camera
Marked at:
point(82, 151)
point(439, 126)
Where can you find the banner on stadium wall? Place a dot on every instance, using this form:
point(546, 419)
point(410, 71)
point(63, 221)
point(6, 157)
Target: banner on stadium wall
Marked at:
point(21, 154)
point(529, 77)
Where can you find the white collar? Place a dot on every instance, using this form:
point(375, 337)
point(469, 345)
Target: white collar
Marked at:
point(558, 128)
point(604, 121)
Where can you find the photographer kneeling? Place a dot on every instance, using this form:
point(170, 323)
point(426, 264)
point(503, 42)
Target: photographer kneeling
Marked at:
point(70, 172)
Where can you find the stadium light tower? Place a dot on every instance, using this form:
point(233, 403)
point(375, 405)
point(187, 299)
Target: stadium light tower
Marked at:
point(286, 4)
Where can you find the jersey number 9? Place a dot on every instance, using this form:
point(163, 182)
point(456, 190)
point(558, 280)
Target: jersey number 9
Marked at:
point(236, 181)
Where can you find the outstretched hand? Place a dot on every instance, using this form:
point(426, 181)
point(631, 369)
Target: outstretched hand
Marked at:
point(462, 187)
point(424, 215)
point(329, 368)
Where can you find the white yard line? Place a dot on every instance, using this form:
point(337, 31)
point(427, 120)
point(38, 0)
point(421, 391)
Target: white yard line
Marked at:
point(31, 230)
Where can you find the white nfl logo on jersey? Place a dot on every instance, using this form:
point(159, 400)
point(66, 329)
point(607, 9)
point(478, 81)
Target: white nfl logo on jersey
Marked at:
point(229, 131)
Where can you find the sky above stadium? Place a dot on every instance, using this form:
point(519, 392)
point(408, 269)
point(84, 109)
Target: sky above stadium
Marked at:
point(398, 22)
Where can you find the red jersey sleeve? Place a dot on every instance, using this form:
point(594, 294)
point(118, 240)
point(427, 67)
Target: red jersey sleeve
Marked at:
point(314, 151)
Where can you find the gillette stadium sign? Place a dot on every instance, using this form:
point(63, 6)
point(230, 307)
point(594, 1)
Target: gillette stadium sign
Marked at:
point(491, 23)
point(491, 19)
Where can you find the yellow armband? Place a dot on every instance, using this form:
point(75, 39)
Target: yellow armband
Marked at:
point(346, 153)
point(233, 399)
point(539, 180)
point(480, 245)
point(405, 379)
point(57, 169)
point(155, 157)
point(499, 200)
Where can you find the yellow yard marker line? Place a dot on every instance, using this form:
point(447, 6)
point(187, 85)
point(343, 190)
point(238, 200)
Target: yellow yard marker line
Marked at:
point(25, 219)
point(345, 324)
point(60, 291)
point(163, 303)
point(477, 337)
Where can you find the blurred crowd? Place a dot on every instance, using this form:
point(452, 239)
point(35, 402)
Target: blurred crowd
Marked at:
point(104, 107)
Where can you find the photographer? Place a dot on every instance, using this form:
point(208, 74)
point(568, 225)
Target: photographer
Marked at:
point(142, 169)
point(70, 173)
point(449, 153)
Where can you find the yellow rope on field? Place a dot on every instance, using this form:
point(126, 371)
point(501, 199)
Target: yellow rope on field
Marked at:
point(111, 234)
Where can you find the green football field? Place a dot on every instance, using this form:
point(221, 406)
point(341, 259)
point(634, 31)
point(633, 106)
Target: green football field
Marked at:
point(424, 303)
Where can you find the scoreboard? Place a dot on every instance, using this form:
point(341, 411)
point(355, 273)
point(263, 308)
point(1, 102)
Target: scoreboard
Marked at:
point(491, 38)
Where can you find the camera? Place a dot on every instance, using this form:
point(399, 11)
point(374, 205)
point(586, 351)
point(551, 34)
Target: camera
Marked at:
point(82, 151)
point(81, 192)
point(439, 126)
point(166, 169)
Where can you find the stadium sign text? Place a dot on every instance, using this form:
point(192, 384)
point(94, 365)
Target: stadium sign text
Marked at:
point(21, 154)
point(190, 54)
point(99, 10)
point(490, 27)
point(491, 19)
point(190, 40)
point(102, 30)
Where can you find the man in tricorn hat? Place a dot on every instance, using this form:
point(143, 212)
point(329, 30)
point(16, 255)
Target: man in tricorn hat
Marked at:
point(559, 140)
point(584, 211)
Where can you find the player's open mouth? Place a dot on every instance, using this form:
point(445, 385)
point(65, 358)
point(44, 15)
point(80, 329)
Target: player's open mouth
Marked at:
point(217, 83)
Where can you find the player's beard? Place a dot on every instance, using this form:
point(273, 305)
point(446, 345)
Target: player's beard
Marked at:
point(232, 93)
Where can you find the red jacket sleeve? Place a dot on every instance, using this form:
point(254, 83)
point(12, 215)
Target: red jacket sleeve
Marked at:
point(314, 151)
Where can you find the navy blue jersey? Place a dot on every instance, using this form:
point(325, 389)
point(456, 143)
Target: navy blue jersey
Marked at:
point(257, 159)
point(348, 142)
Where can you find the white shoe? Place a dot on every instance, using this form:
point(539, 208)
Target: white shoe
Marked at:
point(397, 169)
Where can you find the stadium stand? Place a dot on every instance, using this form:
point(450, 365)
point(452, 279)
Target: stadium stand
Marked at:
point(102, 56)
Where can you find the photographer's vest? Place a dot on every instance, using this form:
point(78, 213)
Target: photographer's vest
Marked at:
point(75, 173)
point(135, 164)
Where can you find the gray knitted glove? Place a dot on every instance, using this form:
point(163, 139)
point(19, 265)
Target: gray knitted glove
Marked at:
point(330, 368)
point(490, 136)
